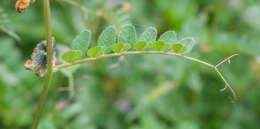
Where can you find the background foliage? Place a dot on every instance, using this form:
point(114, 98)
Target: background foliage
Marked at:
point(135, 92)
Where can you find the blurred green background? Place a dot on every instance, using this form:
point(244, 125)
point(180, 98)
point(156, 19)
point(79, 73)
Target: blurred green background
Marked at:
point(135, 92)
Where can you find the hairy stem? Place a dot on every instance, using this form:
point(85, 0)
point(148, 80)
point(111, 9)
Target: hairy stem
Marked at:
point(47, 17)
point(89, 59)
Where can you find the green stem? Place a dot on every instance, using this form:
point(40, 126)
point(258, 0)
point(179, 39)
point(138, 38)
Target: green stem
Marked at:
point(42, 101)
point(47, 17)
point(85, 11)
point(89, 59)
point(85, 60)
point(71, 86)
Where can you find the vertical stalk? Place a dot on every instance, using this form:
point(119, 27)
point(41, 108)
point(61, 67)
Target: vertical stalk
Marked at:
point(71, 86)
point(47, 17)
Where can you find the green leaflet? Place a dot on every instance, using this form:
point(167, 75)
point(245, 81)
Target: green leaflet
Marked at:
point(81, 42)
point(127, 40)
point(71, 56)
point(168, 37)
point(127, 35)
point(188, 43)
point(66, 71)
point(126, 47)
point(178, 48)
point(96, 51)
point(161, 46)
point(142, 45)
point(120, 47)
point(107, 38)
point(149, 35)
point(148, 46)
point(139, 46)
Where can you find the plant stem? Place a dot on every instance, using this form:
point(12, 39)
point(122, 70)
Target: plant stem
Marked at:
point(47, 17)
point(42, 101)
point(226, 85)
point(89, 59)
point(85, 11)
point(225, 60)
point(85, 60)
point(71, 86)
